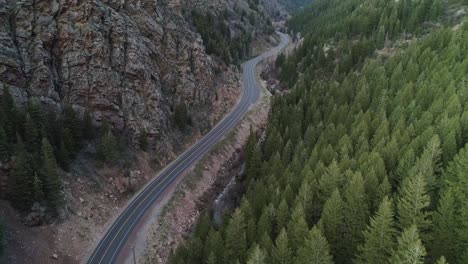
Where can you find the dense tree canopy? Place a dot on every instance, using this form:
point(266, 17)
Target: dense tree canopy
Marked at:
point(228, 43)
point(364, 159)
point(44, 141)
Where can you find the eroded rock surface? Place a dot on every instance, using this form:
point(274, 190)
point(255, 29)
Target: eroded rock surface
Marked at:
point(129, 61)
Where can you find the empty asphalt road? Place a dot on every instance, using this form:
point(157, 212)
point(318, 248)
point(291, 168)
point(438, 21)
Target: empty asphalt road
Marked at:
point(117, 235)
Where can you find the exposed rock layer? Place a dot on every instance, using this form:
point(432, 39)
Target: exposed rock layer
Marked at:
point(128, 61)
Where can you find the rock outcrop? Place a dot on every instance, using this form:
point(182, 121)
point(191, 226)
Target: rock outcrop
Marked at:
point(130, 62)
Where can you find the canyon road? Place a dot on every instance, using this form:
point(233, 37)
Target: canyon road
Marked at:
point(114, 239)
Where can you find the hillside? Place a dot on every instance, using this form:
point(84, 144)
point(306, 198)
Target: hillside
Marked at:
point(364, 158)
point(97, 96)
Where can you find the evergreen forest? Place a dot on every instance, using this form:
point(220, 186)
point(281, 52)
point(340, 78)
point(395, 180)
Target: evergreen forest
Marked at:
point(40, 144)
point(365, 157)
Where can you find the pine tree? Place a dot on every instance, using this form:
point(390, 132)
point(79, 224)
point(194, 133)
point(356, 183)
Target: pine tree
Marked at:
point(211, 259)
point(264, 223)
point(297, 228)
point(331, 180)
point(356, 213)
point(384, 189)
point(404, 166)
point(315, 250)
point(282, 215)
point(257, 256)
point(109, 147)
point(72, 124)
point(412, 203)
point(88, 127)
point(38, 194)
point(379, 235)
point(195, 251)
point(68, 144)
point(31, 135)
point(281, 254)
point(253, 157)
point(441, 260)
point(4, 146)
point(452, 213)
point(52, 181)
point(203, 226)
point(332, 221)
point(23, 189)
point(235, 246)
point(445, 222)
point(410, 249)
point(9, 111)
point(266, 243)
point(254, 164)
point(214, 246)
point(63, 156)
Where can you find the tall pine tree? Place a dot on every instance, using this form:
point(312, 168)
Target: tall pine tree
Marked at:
point(52, 181)
point(333, 225)
point(315, 250)
point(379, 235)
point(281, 253)
point(413, 202)
point(410, 249)
point(236, 245)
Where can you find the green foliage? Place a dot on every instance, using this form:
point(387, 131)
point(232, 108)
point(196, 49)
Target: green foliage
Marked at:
point(332, 222)
point(355, 129)
point(257, 256)
point(379, 235)
point(282, 253)
point(73, 126)
point(339, 23)
point(88, 127)
point(52, 183)
point(315, 250)
point(26, 188)
point(4, 146)
point(109, 147)
point(356, 213)
point(410, 249)
point(413, 203)
point(235, 245)
point(40, 140)
point(450, 220)
point(216, 36)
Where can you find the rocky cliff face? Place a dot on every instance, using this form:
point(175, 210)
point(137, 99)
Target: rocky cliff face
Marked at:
point(131, 62)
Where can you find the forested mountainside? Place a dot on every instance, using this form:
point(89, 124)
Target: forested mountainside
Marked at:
point(138, 69)
point(101, 82)
point(365, 158)
point(130, 62)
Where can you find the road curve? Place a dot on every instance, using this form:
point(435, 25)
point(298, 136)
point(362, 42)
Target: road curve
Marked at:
point(110, 245)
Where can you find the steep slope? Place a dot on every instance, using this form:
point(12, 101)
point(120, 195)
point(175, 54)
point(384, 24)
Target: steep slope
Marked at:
point(142, 65)
point(364, 158)
point(130, 62)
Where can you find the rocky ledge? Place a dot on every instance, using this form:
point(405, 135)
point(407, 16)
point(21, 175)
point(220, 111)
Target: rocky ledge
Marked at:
point(131, 62)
